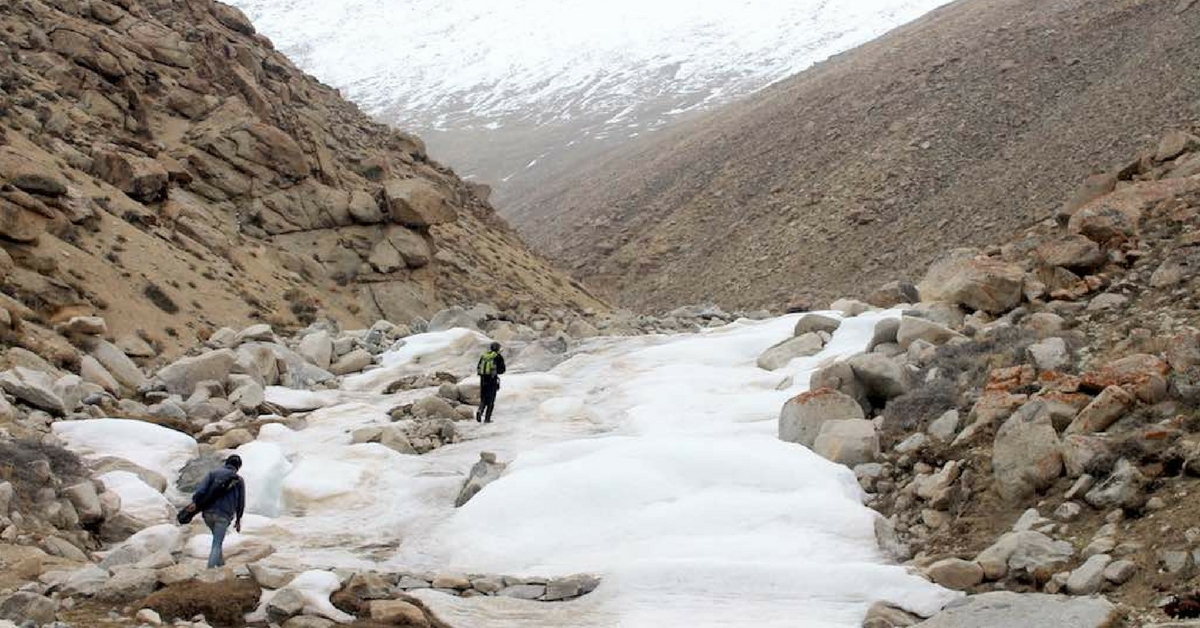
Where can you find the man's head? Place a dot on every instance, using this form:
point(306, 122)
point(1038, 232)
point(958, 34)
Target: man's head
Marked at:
point(495, 346)
point(234, 462)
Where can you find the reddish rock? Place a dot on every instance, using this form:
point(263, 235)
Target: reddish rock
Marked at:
point(141, 178)
point(1116, 216)
point(979, 283)
point(1141, 374)
point(1103, 411)
point(1010, 378)
point(1072, 252)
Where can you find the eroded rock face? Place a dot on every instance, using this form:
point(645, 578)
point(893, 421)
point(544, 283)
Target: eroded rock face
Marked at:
point(964, 277)
point(1004, 609)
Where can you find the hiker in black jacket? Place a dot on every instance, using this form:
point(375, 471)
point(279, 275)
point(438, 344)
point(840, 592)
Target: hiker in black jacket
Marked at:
point(222, 499)
point(490, 368)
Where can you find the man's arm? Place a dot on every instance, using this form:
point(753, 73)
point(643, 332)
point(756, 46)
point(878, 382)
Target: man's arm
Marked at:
point(500, 368)
point(241, 504)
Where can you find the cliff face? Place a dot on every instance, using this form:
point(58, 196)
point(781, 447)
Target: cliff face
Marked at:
point(161, 164)
point(956, 129)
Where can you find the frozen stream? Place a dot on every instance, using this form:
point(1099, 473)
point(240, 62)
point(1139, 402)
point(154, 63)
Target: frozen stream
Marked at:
point(652, 462)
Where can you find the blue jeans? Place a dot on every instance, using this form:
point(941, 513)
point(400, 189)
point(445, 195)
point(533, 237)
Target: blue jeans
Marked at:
point(219, 524)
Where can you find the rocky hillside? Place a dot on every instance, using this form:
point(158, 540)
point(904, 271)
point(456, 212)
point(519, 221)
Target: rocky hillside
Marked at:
point(163, 166)
point(957, 129)
point(1029, 424)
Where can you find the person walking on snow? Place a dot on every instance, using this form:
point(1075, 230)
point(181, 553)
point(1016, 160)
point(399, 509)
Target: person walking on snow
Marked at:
point(222, 499)
point(490, 368)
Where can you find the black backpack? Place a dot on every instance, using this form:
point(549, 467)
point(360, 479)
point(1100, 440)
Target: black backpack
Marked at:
point(190, 511)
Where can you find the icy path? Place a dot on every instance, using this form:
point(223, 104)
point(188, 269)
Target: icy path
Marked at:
point(650, 461)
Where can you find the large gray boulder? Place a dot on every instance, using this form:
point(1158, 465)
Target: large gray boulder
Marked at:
point(317, 348)
point(35, 388)
point(851, 442)
point(181, 376)
point(1027, 455)
point(913, 329)
point(117, 363)
point(802, 416)
point(781, 354)
point(881, 376)
point(1123, 488)
point(486, 471)
point(1004, 609)
point(840, 377)
point(816, 323)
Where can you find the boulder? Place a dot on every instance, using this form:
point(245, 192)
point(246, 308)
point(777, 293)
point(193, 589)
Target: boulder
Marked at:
point(1035, 555)
point(1050, 354)
point(416, 203)
point(1088, 577)
point(1116, 216)
point(810, 323)
point(912, 329)
point(851, 442)
point(83, 326)
point(35, 388)
point(433, 407)
point(1174, 144)
point(453, 317)
point(802, 416)
point(141, 178)
point(19, 224)
point(181, 376)
point(414, 250)
point(881, 377)
point(884, 615)
point(783, 353)
point(86, 501)
point(1076, 253)
point(1143, 375)
point(894, 293)
point(955, 573)
point(944, 427)
point(93, 372)
point(25, 606)
point(978, 283)
point(398, 613)
point(127, 585)
point(352, 362)
point(1123, 488)
point(1004, 609)
point(317, 348)
point(1110, 405)
point(117, 363)
point(486, 471)
point(28, 175)
point(1026, 456)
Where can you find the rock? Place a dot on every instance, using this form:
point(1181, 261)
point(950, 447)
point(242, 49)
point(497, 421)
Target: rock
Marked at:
point(524, 591)
point(944, 427)
point(814, 323)
point(563, 589)
point(1124, 488)
point(1076, 253)
point(93, 372)
point(20, 225)
point(1068, 511)
point(86, 501)
point(1029, 552)
point(840, 377)
point(1111, 404)
point(148, 616)
point(1174, 144)
point(955, 573)
point(912, 329)
point(885, 332)
point(849, 307)
point(118, 364)
point(83, 326)
point(1026, 456)
point(181, 376)
point(261, 332)
point(127, 585)
point(783, 353)
point(308, 621)
point(141, 178)
point(1175, 562)
point(317, 348)
point(884, 615)
point(398, 613)
point(484, 472)
point(27, 175)
point(416, 203)
point(850, 442)
point(894, 293)
point(269, 577)
point(453, 317)
point(801, 418)
point(1081, 451)
point(35, 388)
point(1088, 577)
point(452, 581)
point(978, 283)
point(1050, 354)
point(284, 604)
point(433, 407)
point(135, 347)
point(912, 444)
point(223, 338)
point(1141, 374)
point(352, 362)
point(882, 377)
point(28, 606)
point(233, 439)
point(1004, 609)
point(1120, 571)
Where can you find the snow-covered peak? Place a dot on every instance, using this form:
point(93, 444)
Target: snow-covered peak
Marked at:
point(587, 68)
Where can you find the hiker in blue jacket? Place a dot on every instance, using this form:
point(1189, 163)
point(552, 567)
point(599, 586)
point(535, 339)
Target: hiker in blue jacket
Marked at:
point(222, 499)
point(489, 369)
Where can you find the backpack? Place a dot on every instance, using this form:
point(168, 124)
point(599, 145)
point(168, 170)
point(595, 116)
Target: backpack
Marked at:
point(487, 364)
point(189, 512)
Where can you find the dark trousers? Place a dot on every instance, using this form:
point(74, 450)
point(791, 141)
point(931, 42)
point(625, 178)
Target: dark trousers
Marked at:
point(488, 387)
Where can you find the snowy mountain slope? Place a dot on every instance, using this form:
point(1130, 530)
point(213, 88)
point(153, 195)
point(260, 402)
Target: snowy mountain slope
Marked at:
point(499, 89)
